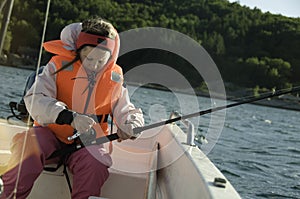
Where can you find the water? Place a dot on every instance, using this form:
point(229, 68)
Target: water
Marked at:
point(259, 152)
point(258, 149)
point(12, 83)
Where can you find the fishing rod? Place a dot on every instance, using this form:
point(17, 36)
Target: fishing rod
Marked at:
point(138, 130)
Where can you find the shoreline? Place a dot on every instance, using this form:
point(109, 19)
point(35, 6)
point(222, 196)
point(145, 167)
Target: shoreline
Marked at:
point(29, 67)
point(281, 102)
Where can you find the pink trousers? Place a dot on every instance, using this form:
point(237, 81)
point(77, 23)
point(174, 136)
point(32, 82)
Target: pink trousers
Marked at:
point(88, 165)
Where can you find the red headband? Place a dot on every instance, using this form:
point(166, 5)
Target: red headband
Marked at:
point(95, 40)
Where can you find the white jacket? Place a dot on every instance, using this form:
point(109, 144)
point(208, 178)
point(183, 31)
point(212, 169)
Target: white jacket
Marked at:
point(41, 99)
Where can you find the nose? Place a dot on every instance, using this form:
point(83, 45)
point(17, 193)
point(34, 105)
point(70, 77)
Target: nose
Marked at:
point(101, 61)
point(89, 58)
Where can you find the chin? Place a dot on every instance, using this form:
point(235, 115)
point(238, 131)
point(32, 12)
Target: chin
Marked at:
point(96, 69)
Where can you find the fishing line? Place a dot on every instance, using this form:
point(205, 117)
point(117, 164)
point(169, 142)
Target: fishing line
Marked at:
point(263, 94)
point(31, 106)
point(40, 55)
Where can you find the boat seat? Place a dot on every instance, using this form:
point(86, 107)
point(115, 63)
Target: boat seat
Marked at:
point(51, 185)
point(133, 173)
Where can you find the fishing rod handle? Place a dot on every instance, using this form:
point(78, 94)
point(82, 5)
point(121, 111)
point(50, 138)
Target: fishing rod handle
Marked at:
point(108, 138)
point(115, 136)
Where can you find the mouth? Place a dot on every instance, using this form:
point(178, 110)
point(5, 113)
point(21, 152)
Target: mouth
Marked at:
point(94, 66)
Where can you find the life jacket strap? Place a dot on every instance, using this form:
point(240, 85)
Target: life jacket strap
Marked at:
point(102, 118)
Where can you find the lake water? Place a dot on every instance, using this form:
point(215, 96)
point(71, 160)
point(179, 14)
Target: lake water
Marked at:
point(258, 149)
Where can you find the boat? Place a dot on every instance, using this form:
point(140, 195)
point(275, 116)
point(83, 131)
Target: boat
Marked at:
point(161, 163)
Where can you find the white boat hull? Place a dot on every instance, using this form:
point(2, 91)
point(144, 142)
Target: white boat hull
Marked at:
point(156, 165)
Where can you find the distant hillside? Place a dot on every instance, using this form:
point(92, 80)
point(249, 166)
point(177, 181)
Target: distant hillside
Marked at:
point(262, 48)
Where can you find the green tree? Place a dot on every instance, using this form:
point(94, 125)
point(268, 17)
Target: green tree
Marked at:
point(228, 31)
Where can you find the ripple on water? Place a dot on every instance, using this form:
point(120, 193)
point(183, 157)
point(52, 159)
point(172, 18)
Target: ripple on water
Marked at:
point(293, 150)
point(296, 187)
point(227, 172)
point(274, 195)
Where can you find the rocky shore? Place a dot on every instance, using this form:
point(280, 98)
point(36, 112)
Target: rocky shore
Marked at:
point(280, 102)
point(289, 102)
point(15, 60)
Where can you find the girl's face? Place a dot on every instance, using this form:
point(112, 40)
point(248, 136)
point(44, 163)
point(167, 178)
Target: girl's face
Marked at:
point(93, 58)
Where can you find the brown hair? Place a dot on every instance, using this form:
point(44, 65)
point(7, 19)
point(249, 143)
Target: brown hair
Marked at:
point(99, 26)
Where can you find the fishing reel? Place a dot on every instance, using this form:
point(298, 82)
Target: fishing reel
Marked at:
point(89, 137)
point(85, 138)
point(22, 114)
point(20, 107)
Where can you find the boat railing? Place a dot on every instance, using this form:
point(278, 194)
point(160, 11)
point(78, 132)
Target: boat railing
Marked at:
point(190, 128)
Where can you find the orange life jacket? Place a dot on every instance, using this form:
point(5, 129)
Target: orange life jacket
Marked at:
point(91, 97)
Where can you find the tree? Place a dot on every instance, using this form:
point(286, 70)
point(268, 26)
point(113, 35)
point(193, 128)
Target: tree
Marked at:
point(267, 44)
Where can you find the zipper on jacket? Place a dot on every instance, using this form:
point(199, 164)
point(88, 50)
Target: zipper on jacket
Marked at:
point(90, 87)
point(91, 78)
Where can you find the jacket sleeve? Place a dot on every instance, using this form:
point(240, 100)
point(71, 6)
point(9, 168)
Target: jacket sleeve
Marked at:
point(126, 116)
point(40, 99)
